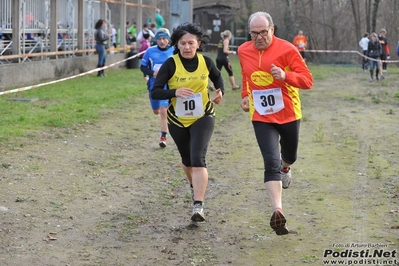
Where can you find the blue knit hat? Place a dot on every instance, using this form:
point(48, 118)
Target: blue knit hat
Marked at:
point(162, 32)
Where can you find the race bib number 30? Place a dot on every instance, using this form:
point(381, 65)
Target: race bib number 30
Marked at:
point(269, 101)
point(190, 106)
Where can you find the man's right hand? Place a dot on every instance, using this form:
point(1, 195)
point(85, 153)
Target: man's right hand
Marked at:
point(245, 104)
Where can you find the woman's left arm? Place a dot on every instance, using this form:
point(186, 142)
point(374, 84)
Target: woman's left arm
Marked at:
point(226, 47)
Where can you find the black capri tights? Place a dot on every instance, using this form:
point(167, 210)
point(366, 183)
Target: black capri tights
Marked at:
point(268, 136)
point(226, 64)
point(192, 142)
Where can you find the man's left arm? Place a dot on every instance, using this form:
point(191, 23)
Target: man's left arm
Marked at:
point(299, 74)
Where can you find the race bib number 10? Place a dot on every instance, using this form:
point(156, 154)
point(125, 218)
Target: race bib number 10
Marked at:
point(190, 106)
point(269, 101)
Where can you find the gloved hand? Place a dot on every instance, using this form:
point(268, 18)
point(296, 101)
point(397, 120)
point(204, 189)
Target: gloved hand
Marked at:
point(388, 57)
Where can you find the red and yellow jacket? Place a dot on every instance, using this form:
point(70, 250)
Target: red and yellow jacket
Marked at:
point(255, 70)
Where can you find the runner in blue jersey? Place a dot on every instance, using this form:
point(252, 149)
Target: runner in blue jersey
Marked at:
point(152, 60)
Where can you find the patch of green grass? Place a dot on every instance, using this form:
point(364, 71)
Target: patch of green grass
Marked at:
point(5, 165)
point(132, 223)
point(376, 100)
point(318, 134)
point(378, 172)
point(176, 181)
point(21, 199)
point(322, 72)
point(353, 98)
point(309, 258)
point(57, 206)
point(77, 101)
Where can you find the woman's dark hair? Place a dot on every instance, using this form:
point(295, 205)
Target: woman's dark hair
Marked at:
point(146, 36)
point(99, 24)
point(194, 29)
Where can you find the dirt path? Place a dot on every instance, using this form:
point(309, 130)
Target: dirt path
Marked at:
point(105, 194)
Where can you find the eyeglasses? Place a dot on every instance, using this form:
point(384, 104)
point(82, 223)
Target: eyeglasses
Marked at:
point(262, 33)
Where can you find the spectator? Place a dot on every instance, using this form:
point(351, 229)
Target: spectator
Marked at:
point(29, 19)
point(3, 27)
point(272, 73)
point(153, 28)
point(112, 32)
point(159, 19)
point(101, 38)
point(364, 45)
point(145, 44)
point(144, 31)
point(132, 34)
point(374, 51)
point(191, 112)
point(300, 43)
point(385, 55)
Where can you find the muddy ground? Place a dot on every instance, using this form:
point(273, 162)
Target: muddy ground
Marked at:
point(106, 194)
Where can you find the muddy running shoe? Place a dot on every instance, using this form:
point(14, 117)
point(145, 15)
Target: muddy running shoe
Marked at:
point(162, 142)
point(198, 213)
point(277, 222)
point(286, 178)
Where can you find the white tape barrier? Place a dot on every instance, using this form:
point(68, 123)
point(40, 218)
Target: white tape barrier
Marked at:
point(351, 52)
point(68, 78)
point(138, 54)
point(332, 51)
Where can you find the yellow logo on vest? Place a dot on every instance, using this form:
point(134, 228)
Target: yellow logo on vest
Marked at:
point(261, 78)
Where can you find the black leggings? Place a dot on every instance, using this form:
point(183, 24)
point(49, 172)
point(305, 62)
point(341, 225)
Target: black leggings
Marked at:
point(268, 136)
point(192, 142)
point(226, 64)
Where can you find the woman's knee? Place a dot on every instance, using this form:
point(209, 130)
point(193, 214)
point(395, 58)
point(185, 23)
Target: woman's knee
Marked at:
point(163, 112)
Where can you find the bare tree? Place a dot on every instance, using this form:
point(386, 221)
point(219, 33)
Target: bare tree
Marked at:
point(374, 15)
point(356, 16)
point(368, 15)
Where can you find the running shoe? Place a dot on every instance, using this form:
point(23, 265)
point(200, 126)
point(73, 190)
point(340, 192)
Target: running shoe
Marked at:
point(277, 222)
point(286, 178)
point(162, 142)
point(237, 88)
point(198, 213)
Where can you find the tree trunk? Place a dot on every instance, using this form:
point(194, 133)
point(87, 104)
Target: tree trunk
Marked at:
point(368, 15)
point(333, 27)
point(356, 16)
point(374, 15)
